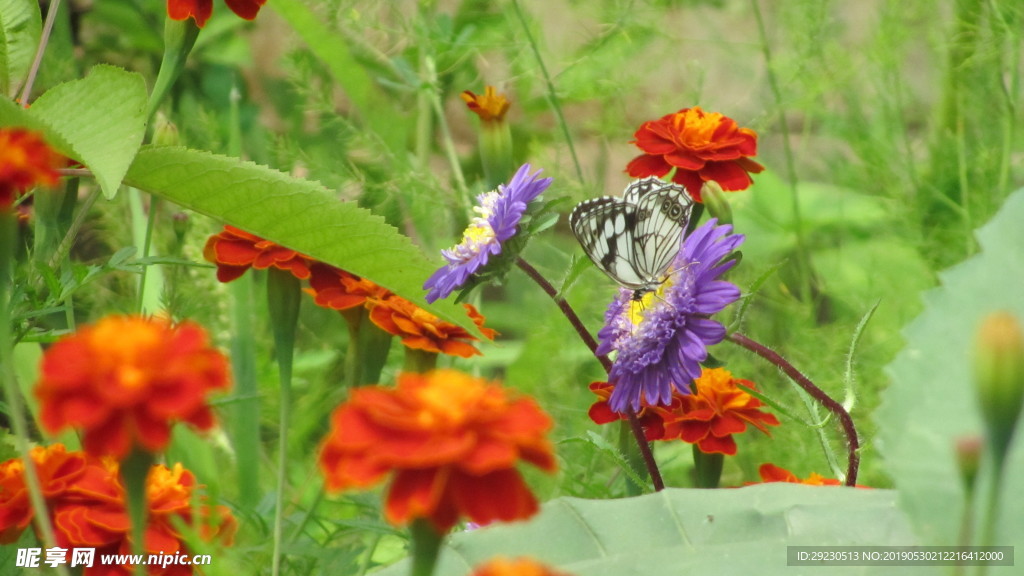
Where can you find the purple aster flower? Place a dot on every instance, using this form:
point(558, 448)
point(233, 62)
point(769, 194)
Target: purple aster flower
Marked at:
point(662, 339)
point(499, 213)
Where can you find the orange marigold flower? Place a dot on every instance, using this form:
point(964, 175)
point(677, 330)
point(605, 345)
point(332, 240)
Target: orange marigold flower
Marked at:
point(125, 380)
point(451, 443)
point(26, 161)
point(421, 330)
point(715, 411)
point(700, 146)
point(490, 107)
point(772, 473)
point(337, 289)
point(234, 251)
point(200, 10)
point(56, 469)
point(514, 567)
point(601, 412)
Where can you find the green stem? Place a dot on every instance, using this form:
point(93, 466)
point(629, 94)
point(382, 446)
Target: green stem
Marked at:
point(708, 468)
point(179, 38)
point(144, 280)
point(284, 295)
point(37, 61)
point(556, 105)
point(426, 545)
point(446, 136)
point(16, 410)
point(246, 409)
point(134, 470)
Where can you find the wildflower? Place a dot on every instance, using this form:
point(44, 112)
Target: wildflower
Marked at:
point(26, 161)
point(337, 289)
point(660, 347)
point(200, 10)
point(772, 473)
point(700, 146)
point(514, 567)
point(125, 380)
point(490, 107)
point(711, 414)
point(500, 212)
point(601, 412)
point(451, 443)
point(86, 501)
point(234, 251)
point(421, 330)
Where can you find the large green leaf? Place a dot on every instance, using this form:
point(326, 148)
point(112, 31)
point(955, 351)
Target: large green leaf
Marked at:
point(20, 26)
point(932, 399)
point(297, 213)
point(689, 531)
point(102, 117)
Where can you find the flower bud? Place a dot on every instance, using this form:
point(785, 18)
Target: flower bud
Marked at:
point(999, 371)
point(165, 133)
point(495, 134)
point(968, 458)
point(716, 203)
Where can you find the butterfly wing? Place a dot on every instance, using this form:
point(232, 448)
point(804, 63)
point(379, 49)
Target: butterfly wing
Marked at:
point(634, 239)
point(662, 213)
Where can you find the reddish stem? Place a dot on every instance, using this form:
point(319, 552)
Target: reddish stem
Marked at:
point(852, 443)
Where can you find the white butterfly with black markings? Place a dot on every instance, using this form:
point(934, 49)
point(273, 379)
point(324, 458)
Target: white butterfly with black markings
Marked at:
point(634, 239)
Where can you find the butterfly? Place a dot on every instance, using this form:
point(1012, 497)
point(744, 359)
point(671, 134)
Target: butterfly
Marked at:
point(634, 239)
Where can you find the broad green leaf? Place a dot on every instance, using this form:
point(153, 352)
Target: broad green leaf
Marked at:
point(688, 531)
point(932, 399)
point(20, 25)
point(102, 118)
point(299, 214)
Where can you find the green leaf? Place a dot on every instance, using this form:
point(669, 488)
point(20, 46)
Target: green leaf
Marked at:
point(101, 117)
point(299, 214)
point(687, 531)
point(20, 26)
point(932, 400)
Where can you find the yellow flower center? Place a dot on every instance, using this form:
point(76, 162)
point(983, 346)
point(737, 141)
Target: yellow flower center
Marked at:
point(449, 398)
point(695, 127)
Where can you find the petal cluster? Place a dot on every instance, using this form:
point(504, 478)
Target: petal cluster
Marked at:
point(201, 10)
point(489, 106)
point(86, 502)
point(421, 330)
point(498, 215)
point(772, 473)
point(26, 161)
point(234, 251)
point(449, 442)
point(125, 380)
point(700, 146)
point(661, 340)
point(714, 412)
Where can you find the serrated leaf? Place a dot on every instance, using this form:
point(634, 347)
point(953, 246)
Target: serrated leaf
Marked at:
point(299, 214)
point(102, 117)
point(20, 26)
point(932, 400)
point(687, 531)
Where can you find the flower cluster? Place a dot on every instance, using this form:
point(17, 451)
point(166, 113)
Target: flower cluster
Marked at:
point(499, 214)
point(234, 251)
point(661, 345)
point(708, 416)
point(27, 162)
point(124, 381)
point(450, 442)
point(201, 10)
point(86, 503)
point(700, 147)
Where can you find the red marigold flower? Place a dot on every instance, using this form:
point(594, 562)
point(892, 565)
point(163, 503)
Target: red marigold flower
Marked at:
point(26, 161)
point(337, 289)
point(601, 412)
point(234, 251)
point(711, 414)
point(514, 567)
point(421, 330)
point(56, 469)
point(772, 473)
point(490, 106)
point(200, 10)
point(700, 146)
point(451, 443)
point(125, 380)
